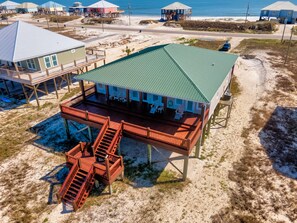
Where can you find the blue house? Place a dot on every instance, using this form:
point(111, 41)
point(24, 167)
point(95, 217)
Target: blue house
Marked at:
point(284, 11)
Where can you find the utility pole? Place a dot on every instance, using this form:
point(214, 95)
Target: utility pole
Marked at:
point(129, 11)
point(247, 12)
point(285, 22)
point(289, 46)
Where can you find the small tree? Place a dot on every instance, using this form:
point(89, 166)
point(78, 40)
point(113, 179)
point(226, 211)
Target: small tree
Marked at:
point(128, 50)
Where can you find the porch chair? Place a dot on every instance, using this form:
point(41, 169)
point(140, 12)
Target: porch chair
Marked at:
point(179, 112)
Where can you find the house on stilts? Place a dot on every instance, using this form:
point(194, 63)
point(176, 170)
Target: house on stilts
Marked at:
point(33, 57)
point(176, 11)
point(164, 96)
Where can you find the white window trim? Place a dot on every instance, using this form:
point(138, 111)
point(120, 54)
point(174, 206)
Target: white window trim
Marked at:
point(27, 61)
point(56, 60)
point(50, 60)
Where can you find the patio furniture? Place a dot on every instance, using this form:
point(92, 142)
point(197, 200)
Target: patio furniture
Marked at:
point(153, 108)
point(179, 113)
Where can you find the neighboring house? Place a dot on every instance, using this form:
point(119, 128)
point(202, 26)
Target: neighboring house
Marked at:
point(103, 8)
point(8, 6)
point(52, 7)
point(31, 55)
point(27, 7)
point(78, 8)
point(176, 11)
point(163, 96)
point(37, 49)
point(284, 11)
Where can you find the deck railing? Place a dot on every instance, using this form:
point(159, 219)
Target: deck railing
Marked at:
point(156, 135)
point(68, 181)
point(107, 171)
point(183, 143)
point(35, 76)
point(84, 187)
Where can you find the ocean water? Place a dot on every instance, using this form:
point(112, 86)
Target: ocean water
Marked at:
point(199, 7)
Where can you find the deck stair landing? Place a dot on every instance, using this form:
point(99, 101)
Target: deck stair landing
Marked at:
point(92, 162)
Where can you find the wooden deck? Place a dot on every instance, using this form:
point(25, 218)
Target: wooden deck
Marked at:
point(34, 82)
point(161, 130)
point(37, 77)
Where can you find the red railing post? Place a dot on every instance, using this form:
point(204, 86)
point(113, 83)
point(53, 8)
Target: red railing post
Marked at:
point(87, 115)
point(148, 132)
point(107, 168)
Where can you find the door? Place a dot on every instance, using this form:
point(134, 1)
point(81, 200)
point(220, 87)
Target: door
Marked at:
point(190, 106)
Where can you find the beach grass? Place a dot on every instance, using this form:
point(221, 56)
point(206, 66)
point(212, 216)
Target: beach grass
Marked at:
point(56, 18)
point(216, 26)
point(283, 52)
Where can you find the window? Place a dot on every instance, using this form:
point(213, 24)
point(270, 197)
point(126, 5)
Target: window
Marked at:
point(54, 60)
point(115, 89)
point(155, 97)
point(145, 96)
point(51, 61)
point(178, 101)
point(31, 64)
point(134, 94)
point(190, 106)
point(100, 85)
point(18, 63)
point(47, 62)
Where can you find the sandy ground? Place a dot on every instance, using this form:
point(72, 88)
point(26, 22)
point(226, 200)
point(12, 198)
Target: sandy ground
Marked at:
point(30, 179)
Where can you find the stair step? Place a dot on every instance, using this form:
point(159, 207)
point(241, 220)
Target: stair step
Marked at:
point(69, 197)
point(81, 174)
point(76, 186)
point(67, 201)
point(108, 137)
point(82, 171)
point(81, 177)
point(69, 193)
point(73, 189)
point(78, 183)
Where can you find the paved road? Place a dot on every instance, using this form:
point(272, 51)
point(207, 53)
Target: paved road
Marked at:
point(169, 31)
point(185, 32)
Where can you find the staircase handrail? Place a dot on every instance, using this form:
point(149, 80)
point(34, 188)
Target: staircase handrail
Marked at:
point(100, 136)
point(115, 138)
point(67, 181)
point(83, 188)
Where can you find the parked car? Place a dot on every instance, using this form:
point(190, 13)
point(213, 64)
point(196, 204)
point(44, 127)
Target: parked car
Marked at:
point(226, 46)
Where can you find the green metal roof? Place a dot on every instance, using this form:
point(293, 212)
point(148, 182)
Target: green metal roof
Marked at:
point(172, 70)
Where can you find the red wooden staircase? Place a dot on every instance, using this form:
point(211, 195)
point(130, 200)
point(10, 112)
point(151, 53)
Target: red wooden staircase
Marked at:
point(92, 162)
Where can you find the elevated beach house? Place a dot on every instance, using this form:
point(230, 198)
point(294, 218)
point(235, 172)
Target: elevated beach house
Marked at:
point(8, 6)
point(51, 7)
point(284, 11)
point(27, 7)
point(78, 9)
point(176, 11)
point(32, 56)
point(163, 96)
point(104, 8)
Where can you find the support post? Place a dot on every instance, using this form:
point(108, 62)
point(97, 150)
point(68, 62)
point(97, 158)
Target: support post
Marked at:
point(36, 95)
point(110, 189)
point(25, 93)
point(128, 97)
point(203, 135)
point(119, 149)
point(82, 87)
point(90, 134)
point(45, 87)
point(198, 148)
point(55, 85)
point(149, 154)
point(208, 126)
point(67, 79)
point(186, 164)
point(67, 128)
